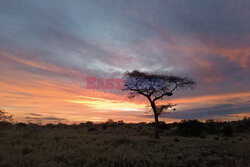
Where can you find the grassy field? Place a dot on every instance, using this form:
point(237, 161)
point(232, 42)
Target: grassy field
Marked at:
point(119, 145)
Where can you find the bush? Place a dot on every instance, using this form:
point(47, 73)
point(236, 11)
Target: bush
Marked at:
point(120, 123)
point(50, 125)
point(89, 123)
point(81, 125)
point(61, 125)
point(21, 124)
point(190, 128)
point(163, 125)
point(111, 123)
point(33, 127)
point(227, 130)
point(211, 127)
point(243, 125)
point(5, 124)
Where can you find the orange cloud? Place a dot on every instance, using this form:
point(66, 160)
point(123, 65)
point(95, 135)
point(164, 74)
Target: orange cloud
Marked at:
point(239, 55)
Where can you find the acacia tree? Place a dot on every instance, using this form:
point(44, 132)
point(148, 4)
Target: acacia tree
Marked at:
point(154, 87)
point(4, 116)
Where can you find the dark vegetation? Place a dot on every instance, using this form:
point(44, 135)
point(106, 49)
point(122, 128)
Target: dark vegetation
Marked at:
point(187, 143)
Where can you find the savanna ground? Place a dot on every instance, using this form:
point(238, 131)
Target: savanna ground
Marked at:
point(189, 143)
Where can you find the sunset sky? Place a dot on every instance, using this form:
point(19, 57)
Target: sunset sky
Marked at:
point(49, 47)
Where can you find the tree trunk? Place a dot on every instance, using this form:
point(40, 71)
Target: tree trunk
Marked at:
point(156, 121)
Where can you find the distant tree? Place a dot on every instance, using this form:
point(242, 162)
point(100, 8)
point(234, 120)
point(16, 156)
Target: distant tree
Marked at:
point(4, 116)
point(154, 87)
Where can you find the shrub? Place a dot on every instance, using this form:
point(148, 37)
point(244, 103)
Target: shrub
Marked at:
point(33, 127)
point(190, 128)
point(81, 125)
point(61, 125)
point(21, 124)
point(151, 124)
point(89, 123)
point(104, 126)
point(243, 125)
point(5, 124)
point(227, 130)
point(163, 125)
point(111, 123)
point(120, 122)
point(211, 127)
point(50, 126)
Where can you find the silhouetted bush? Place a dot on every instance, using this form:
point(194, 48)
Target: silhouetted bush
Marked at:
point(21, 124)
point(163, 125)
point(211, 127)
point(190, 128)
point(5, 124)
point(128, 125)
point(120, 123)
point(73, 126)
point(243, 125)
point(142, 123)
point(151, 124)
point(61, 125)
point(50, 125)
point(111, 123)
point(227, 130)
point(89, 123)
point(81, 125)
point(31, 125)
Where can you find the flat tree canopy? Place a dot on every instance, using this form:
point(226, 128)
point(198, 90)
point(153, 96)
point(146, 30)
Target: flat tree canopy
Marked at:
point(154, 87)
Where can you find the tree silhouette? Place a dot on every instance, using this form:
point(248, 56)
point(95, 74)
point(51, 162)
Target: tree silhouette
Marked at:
point(5, 116)
point(154, 87)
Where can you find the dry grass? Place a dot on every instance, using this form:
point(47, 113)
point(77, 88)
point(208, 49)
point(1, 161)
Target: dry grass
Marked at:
point(124, 145)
